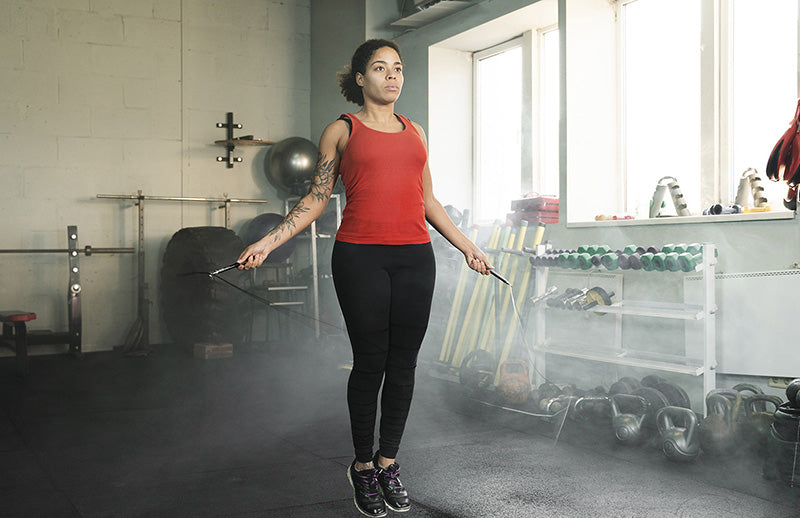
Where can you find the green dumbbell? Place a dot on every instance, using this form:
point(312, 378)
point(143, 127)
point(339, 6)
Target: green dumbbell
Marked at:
point(585, 261)
point(688, 262)
point(572, 260)
point(659, 260)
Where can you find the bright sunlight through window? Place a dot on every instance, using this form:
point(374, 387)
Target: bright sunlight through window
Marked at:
point(498, 123)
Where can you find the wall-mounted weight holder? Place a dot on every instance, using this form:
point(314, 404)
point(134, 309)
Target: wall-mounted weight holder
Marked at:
point(229, 125)
point(231, 142)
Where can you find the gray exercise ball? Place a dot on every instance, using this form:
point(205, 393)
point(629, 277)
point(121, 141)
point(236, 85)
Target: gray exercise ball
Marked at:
point(290, 164)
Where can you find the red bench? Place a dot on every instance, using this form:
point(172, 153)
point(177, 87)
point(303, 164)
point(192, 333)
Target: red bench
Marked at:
point(15, 335)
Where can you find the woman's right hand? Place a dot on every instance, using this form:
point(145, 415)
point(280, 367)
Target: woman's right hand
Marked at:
point(254, 255)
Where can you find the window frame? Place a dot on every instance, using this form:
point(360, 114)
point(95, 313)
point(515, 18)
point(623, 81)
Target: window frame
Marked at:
point(538, 113)
point(516, 42)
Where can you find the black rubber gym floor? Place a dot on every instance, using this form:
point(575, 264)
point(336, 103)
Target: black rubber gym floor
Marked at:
point(265, 433)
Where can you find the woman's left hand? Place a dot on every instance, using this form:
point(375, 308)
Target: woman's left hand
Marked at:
point(477, 260)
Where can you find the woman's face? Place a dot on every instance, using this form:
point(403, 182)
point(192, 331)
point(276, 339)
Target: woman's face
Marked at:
point(382, 80)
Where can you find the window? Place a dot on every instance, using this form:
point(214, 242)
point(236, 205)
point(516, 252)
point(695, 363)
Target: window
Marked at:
point(763, 86)
point(699, 90)
point(660, 99)
point(498, 129)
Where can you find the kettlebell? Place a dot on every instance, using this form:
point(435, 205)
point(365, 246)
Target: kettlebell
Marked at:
point(717, 431)
point(748, 390)
point(591, 407)
point(792, 393)
point(678, 429)
point(627, 414)
point(757, 422)
point(514, 385)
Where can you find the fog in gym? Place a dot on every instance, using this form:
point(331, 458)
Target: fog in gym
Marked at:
point(627, 166)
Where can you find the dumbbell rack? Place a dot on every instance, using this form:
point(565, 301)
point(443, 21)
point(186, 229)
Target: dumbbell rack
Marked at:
point(704, 366)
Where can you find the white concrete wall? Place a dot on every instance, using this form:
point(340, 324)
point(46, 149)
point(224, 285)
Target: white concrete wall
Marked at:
point(105, 96)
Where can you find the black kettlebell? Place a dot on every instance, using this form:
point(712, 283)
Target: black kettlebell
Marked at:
point(678, 429)
point(627, 414)
point(717, 432)
point(748, 390)
point(793, 393)
point(757, 422)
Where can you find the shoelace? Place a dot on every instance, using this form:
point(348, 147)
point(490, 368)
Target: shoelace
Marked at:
point(394, 480)
point(369, 481)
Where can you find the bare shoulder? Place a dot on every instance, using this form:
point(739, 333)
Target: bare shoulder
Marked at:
point(335, 134)
point(420, 131)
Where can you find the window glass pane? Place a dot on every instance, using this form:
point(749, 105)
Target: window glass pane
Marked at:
point(764, 85)
point(499, 81)
point(661, 99)
point(550, 109)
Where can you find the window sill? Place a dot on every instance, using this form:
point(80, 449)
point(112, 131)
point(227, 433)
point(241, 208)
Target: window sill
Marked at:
point(721, 218)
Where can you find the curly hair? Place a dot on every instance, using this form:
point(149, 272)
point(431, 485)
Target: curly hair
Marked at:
point(358, 64)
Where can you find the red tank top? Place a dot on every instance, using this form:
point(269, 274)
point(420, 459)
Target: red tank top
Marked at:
point(382, 176)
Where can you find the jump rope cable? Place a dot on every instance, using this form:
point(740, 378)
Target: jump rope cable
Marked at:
point(562, 415)
point(301, 316)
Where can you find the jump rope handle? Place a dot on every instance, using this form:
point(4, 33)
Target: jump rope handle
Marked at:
point(499, 277)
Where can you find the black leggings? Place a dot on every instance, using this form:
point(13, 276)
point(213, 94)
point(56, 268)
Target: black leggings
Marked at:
point(385, 293)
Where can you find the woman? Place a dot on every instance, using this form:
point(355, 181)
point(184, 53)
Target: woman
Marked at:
point(382, 260)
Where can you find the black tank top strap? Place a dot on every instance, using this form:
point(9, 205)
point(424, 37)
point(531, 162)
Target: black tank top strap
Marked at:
point(345, 117)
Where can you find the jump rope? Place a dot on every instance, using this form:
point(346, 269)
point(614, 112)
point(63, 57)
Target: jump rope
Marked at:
point(558, 418)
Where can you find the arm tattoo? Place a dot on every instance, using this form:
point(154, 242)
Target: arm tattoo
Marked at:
point(322, 183)
point(290, 221)
point(321, 188)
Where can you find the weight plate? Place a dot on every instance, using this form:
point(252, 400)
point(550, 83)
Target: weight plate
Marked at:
point(621, 387)
point(652, 380)
point(633, 382)
point(657, 401)
point(675, 394)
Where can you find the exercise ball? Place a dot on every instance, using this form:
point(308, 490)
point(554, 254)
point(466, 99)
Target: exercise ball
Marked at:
point(290, 165)
point(258, 227)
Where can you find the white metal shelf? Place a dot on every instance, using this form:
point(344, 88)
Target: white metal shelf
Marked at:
point(628, 357)
point(653, 309)
point(703, 313)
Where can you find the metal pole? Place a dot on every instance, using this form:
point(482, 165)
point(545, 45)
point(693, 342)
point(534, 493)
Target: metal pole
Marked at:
point(87, 250)
point(224, 199)
point(74, 294)
point(143, 310)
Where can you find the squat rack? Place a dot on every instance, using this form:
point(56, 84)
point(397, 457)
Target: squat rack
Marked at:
point(139, 335)
point(73, 336)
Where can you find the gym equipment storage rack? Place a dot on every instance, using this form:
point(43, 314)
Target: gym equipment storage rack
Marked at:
point(704, 313)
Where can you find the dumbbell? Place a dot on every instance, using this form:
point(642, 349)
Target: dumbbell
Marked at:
point(717, 209)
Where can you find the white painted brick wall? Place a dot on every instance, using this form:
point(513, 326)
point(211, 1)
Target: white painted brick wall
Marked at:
point(112, 96)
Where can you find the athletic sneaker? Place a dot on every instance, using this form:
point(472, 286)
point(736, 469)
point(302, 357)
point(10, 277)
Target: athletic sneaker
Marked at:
point(394, 494)
point(366, 492)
